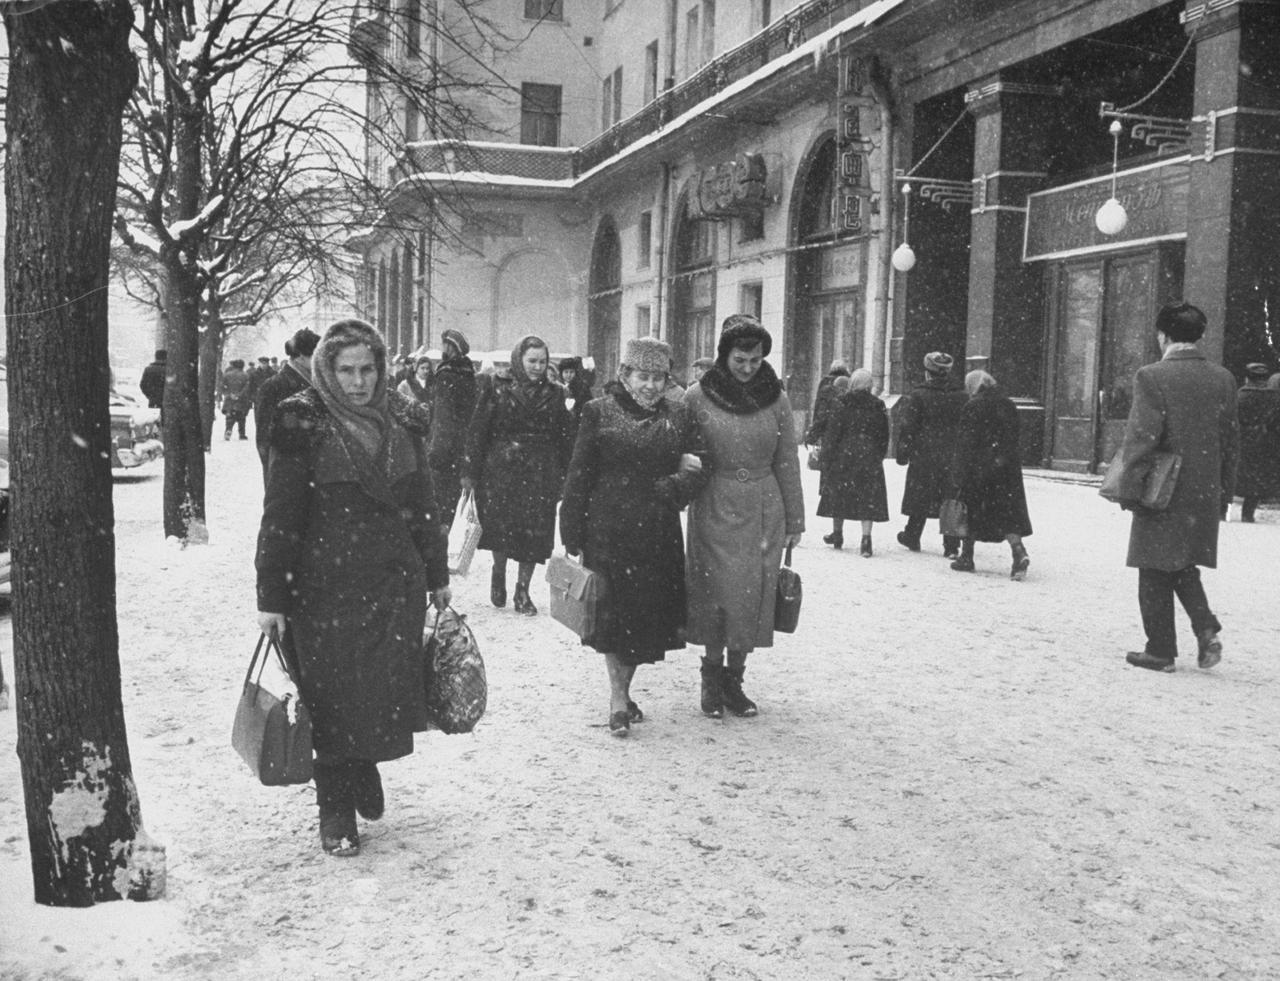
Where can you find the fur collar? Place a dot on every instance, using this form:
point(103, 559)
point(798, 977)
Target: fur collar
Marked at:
point(728, 393)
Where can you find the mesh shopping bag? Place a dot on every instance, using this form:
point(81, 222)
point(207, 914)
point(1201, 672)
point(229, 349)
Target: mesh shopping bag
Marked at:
point(456, 689)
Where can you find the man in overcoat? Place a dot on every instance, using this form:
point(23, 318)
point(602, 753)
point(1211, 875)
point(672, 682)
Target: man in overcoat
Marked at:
point(293, 378)
point(926, 444)
point(1184, 405)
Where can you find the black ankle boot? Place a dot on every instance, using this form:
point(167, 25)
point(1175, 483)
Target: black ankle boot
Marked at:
point(965, 561)
point(734, 698)
point(865, 550)
point(338, 835)
point(366, 789)
point(521, 603)
point(835, 539)
point(712, 689)
point(498, 587)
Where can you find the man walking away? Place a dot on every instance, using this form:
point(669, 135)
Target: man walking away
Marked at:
point(289, 380)
point(926, 444)
point(1181, 404)
point(152, 383)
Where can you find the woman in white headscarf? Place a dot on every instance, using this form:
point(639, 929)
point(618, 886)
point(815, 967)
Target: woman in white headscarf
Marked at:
point(348, 550)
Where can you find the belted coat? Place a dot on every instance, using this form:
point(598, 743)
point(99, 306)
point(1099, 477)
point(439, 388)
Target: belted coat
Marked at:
point(737, 524)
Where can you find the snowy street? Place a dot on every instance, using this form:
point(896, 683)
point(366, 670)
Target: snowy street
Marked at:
point(951, 776)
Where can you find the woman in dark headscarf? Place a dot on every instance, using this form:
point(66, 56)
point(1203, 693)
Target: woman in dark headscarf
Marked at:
point(348, 550)
point(517, 453)
point(455, 401)
point(854, 443)
point(751, 509)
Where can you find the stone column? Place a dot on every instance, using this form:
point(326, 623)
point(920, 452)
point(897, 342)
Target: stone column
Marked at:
point(1233, 200)
point(1005, 322)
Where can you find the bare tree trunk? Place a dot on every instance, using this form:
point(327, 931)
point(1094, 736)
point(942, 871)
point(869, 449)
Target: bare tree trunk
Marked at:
point(70, 72)
point(212, 338)
point(184, 443)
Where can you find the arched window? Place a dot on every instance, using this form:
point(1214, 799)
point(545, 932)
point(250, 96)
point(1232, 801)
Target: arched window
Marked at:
point(604, 316)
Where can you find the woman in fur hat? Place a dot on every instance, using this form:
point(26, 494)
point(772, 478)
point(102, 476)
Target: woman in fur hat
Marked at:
point(633, 470)
point(517, 452)
point(348, 550)
point(751, 509)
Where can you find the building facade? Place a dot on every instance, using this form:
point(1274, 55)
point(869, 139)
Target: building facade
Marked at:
point(655, 165)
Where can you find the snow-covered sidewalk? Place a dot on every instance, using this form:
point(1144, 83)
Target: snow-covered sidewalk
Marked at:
point(952, 776)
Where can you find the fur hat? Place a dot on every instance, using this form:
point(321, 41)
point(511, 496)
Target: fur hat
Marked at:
point(571, 363)
point(647, 354)
point(938, 362)
point(455, 338)
point(1257, 371)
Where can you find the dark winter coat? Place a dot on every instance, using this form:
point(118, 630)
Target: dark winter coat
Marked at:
point(1185, 405)
point(1259, 474)
point(453, 404)
point(753, 499)
point(235, 392)
point(926, 444)
point(987, 468)
point(351, 573)
point(284, 383)
point(822, 403)
point(621, 510)
point(152, 384)
point(854, 444)
point(579, 393)
point(518, 449)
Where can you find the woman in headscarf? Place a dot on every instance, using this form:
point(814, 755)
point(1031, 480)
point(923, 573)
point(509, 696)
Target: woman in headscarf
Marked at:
point(348, 549)
point(417, 384)
point(987, 473)
point(454, 402)
point(751, 509)
point(517, 453)
point(855, 440)
point(633, 469)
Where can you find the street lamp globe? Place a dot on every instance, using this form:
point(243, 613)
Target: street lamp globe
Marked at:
point(903, 258)
point(1111, 217)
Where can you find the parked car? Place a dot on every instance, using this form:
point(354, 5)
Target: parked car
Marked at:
point(135, 429)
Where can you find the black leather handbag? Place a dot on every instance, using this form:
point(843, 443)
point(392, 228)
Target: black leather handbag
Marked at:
point(786, 605)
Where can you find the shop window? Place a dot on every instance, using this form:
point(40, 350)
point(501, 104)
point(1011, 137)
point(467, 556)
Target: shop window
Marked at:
point(539, 114)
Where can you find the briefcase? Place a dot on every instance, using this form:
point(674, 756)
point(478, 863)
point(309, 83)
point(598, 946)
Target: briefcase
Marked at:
point(578, 597)
point(1149, 485)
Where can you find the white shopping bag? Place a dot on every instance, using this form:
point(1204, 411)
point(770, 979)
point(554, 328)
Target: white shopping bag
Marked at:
point(464, 535)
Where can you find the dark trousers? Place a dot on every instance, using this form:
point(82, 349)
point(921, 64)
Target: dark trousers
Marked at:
point(1248, 505)
point(235, 418)
point(915, 528)
point(1156, 590)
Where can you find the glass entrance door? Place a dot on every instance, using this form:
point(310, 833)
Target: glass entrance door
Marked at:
point(833, 330)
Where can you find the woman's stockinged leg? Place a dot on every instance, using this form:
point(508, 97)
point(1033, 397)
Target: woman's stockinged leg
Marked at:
point(619, 680)
point(1020, 559)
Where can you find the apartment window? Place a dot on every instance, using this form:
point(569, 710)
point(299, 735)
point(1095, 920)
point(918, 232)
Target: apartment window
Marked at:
point(708, 30)
point(413, 28)
point(606, 103)
point(691, 42)
point(650, 72)
point(540, 114)
point(617, 94)
point(751, 298)
point(761, 14)
point(544, 9)
point(644, 318)
point(751, 228)
point(644, 243)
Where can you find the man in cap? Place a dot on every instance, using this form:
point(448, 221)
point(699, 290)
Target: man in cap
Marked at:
point(1184, 405)
point(289, 380)
point(152, 383)
point(1259, 410)
point(926, 441)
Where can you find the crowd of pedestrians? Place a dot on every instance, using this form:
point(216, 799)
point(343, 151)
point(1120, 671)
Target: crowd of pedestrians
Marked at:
point(365, 466)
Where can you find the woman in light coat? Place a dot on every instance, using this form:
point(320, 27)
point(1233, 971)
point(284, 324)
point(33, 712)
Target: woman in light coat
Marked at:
point(751, 509)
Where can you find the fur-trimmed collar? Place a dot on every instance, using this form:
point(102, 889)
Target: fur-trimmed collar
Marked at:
point(410, 413)
point(731, 395)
